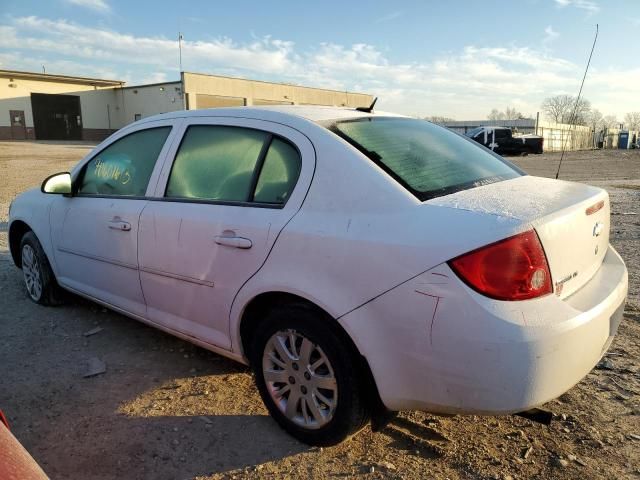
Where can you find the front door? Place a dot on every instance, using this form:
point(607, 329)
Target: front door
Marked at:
point(95, 232)
point(220, 206)
point(18, 125)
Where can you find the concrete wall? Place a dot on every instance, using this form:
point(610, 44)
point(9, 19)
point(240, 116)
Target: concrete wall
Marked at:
point(148, 100)
point(15, 94)
point(108, 108)
point(18, 97)
point(103, 109)
point(265, 93)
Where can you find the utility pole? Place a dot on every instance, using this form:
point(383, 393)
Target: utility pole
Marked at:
point(180, 50)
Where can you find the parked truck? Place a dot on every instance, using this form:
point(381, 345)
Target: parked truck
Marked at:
point(502, 141)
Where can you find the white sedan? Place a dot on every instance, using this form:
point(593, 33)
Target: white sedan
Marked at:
point(359, 262)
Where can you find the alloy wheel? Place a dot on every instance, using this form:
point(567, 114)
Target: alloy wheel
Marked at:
point(31, 272)
point(300, 379)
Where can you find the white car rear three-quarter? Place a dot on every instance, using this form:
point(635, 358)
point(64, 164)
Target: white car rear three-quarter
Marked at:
point(355, 260)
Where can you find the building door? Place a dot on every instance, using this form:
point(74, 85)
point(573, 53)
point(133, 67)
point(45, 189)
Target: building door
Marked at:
point(56, 117)
point(18, 126)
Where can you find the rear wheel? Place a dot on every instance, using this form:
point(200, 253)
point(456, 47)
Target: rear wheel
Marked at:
point(308, 377)
point(38, 276)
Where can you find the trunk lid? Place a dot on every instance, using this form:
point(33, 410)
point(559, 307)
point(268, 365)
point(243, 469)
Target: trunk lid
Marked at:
point(571, 219)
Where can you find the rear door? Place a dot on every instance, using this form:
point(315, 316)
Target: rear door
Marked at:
point(225, 193)
point(95, 232)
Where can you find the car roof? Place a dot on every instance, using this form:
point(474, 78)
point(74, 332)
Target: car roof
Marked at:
point(313, 113)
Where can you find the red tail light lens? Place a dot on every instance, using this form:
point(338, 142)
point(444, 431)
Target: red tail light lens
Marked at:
point(515, 268)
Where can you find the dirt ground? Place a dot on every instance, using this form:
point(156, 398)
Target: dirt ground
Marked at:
point(165, 409)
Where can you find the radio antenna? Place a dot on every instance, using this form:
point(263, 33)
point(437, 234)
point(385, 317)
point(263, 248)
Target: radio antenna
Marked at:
point(575, 107)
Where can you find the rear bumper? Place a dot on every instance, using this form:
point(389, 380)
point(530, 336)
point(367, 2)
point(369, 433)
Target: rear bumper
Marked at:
point(435, 345)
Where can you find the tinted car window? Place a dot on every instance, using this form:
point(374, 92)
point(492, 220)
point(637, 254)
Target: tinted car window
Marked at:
point(474, 132)
point(124, 167)
point(279, 173)
point(426, 159)
point(501, 134)
point(216, 163)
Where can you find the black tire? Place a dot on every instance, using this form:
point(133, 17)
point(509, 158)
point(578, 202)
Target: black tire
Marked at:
point(352, 412)
point(49, 292)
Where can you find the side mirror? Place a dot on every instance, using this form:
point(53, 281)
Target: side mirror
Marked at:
point(58, 183)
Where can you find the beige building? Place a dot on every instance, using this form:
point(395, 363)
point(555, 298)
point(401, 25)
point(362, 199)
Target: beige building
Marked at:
point(58, 107)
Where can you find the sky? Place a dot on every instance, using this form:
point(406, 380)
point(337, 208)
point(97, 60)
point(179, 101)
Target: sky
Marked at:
point(458, 59)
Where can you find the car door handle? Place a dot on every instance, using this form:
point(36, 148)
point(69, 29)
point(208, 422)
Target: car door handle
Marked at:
point(233, 241)
point(119, 225)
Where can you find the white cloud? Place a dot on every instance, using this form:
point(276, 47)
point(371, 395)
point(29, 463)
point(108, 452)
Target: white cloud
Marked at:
point(155, 77)
point(588, 5)
point(97, 5)
point(461, 84)
point(549, 35)
point(389, 17)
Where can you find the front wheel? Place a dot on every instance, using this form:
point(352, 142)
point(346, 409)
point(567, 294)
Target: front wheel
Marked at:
point(36, 271)
point(309, 379)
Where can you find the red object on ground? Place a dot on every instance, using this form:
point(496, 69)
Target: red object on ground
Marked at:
point(15, 461)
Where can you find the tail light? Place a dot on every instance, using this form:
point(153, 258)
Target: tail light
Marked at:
point(515, 268)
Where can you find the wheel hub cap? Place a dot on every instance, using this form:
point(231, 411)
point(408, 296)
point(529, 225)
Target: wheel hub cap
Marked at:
point(300, 379)
point(31, 272)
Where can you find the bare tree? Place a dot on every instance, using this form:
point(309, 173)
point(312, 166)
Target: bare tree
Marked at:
point(595, 120)
point(496, 115)
point(512, 114)
point(438, 119)
point(563, 109)
point(632, 120)
point(610, 121)
point(557, 107)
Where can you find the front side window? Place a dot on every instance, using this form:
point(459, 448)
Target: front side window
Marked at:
point(428, 160)
point(474, 133)
point(125, 166)
point(233, 164)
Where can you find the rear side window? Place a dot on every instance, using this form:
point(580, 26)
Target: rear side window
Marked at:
point(428, 160)
point(125, 166)
point(279, 173)
point(216, 163)
point(501, 134)
point(233, 164)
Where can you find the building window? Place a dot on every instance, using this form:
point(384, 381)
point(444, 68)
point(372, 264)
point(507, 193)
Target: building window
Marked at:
point(137, 117)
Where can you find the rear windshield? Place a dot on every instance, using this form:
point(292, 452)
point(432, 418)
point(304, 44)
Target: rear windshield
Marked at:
point(428, 160)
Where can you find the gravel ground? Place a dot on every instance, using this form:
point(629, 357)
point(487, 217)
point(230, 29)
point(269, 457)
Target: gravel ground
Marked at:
point(166, 409)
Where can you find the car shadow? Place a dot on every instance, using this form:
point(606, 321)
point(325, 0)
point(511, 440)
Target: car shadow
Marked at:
point(164, 408)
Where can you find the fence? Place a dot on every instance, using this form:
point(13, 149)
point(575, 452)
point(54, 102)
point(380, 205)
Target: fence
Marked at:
point(570, 137)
